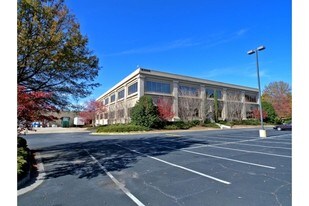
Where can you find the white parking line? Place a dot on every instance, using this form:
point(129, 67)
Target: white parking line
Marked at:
point(223, 158)
point(276, 142)
point(256, 145)
point(233, 160)
point(120, 185)
point(248, 151)
point(223, 143)
point(178, 166)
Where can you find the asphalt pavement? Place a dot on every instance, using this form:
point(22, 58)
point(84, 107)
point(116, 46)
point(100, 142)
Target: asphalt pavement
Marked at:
point(218, 167)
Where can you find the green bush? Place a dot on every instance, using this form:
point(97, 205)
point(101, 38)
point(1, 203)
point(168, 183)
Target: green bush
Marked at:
point(21, 142)
point(177, 125)
point(212, 125)
point(22, 159)
point(194, 123)
point(121, 128)
point(145, 113)
point(171, 127)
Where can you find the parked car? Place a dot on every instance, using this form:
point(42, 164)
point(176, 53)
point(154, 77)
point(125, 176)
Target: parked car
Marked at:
point(284, 126)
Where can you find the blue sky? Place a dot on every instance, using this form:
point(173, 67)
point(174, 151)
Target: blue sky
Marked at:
point(200, 38)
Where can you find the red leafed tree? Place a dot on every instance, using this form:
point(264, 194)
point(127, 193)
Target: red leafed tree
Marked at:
point(256, 114)
point(280, 96)
point(165, 108)
point(91, 109)
point(33, 106)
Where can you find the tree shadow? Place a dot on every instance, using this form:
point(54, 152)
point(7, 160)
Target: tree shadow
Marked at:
point(112, 154)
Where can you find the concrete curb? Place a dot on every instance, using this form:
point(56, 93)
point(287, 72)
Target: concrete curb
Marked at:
point(39, 180)
point(222, 126)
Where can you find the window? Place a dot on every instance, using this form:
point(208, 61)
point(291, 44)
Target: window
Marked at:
point(121, 94)
point(188, 91)
point(113, 97)
point(234, 96)
point(132, 89)
point(196, 113)
point(105, 115)
point(101, 116)
point(106, 101)
point(210, 93)
point(219, 94)
point(157, 87)
point(250, 98)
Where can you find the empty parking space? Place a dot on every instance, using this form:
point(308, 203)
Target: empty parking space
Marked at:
point(187, 168)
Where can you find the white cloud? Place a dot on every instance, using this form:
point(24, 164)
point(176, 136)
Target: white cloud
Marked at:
point(211, 41)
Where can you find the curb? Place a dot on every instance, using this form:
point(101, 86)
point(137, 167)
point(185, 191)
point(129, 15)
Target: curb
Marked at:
point(38, 180)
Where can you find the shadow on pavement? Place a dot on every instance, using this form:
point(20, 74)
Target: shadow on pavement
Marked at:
point(73, 159)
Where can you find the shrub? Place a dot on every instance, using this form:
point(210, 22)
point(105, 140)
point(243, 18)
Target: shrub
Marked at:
point(21, 142)
point(22, 159)
point(121, 128)
point(246, 122)
point(213, 125)
point(171, 127)
point(144, 113)
point(178, 125)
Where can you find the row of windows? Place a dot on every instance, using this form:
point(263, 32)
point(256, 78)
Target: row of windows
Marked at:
point(188, 91)
point(250, 98)
point(131, 90)
point(111, 115)
point(157, 87)
point(165, 88)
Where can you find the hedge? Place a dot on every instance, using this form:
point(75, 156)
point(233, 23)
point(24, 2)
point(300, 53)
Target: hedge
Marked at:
point(121, 128)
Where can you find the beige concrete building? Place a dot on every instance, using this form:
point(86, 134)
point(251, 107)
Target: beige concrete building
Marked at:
point(189, 97)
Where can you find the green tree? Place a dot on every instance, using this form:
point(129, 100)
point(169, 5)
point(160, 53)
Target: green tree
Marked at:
point(280, 96)
point(145, 113)
point(271, 113)
point(52, 54)
point(216, 106)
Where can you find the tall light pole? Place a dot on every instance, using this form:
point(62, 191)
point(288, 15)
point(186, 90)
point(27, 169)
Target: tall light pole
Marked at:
point(256, 51)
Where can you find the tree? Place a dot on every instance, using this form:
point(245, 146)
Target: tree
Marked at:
point(52, 54)
point(165, 108)
point(216, 115)
point(144, 113)
point(189, 103)
point(32, 106)
point(91, 109)
point(234, 106)
point(257, 115)
point(271, 113)
point(280, 96)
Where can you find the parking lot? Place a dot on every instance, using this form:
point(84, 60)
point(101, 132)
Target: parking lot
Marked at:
point(223, 167)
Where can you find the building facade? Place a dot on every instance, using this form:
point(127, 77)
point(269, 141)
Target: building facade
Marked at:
point(189, 98)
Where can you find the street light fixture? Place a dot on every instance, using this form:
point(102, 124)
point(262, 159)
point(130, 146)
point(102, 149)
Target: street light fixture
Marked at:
point(260, 48)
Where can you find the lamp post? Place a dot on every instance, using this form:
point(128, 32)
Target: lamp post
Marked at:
point(256, 51)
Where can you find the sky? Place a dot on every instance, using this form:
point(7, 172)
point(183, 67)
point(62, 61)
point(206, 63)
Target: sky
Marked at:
point(207, 39)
